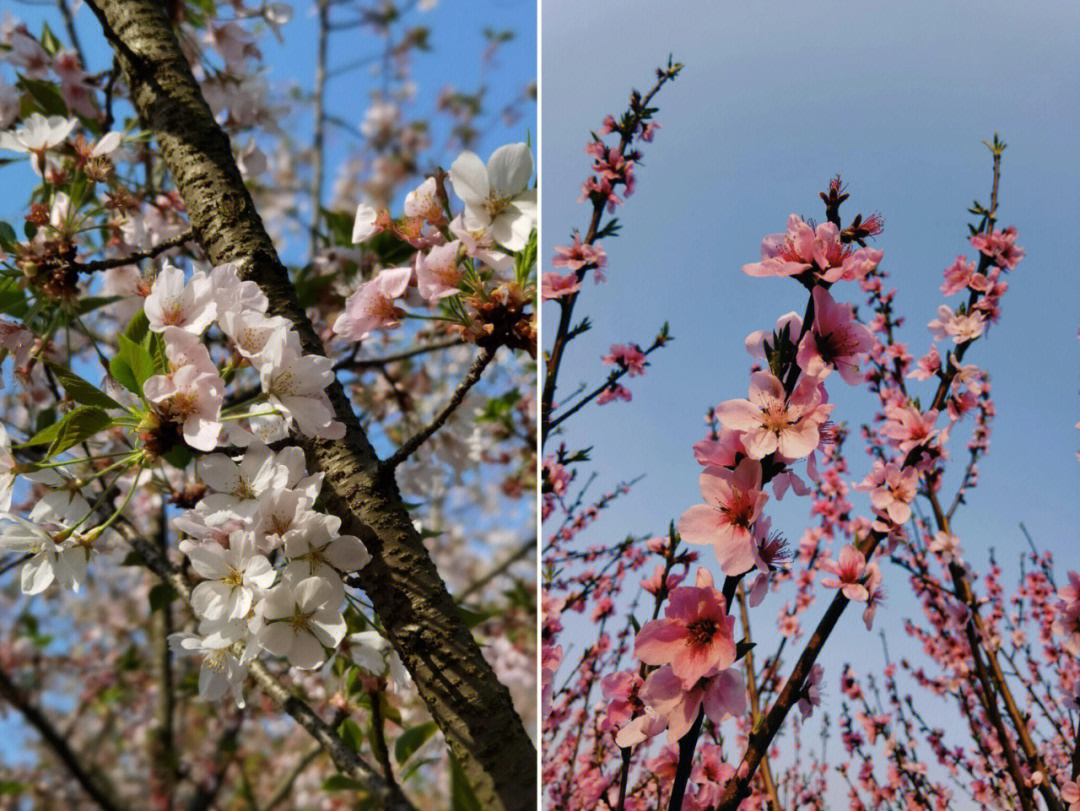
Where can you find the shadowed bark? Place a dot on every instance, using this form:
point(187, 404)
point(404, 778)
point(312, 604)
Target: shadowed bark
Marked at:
point(471, 707)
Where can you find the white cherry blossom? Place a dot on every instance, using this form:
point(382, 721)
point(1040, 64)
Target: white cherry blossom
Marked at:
point(497, 196)
point(298, 622)
point(172, 302)
point(232, 576)
point(296, 385)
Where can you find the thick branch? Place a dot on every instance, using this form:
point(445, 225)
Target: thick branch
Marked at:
point(471, 707)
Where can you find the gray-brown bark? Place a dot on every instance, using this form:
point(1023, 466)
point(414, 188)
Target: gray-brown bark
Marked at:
point(472, 708)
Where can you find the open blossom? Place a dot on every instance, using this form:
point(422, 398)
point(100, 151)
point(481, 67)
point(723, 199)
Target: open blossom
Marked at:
point(958, 275)
point(892, 490)
point(174, 303)
point(45, 537)
point(772, 422)
point(423, 202)
point(849, 570)
point(372, 306)
point(556, 285)
point(192, 398)
point(231, 577)
point(834, 342)
point(961, 327)
point(438, 273)
point(695, 635)
point(614, 392)
point(497, 196)
point(803, 247)
point(296, 385)
point(221, 669)
point(578, 255)
point(37, 135)
point(321, 552)
point(721, 694)
point(298, 621)
point(907, 427)
point(238, 486)
point(7, 468)
point(1000, 246)
point(947, 546)
point(628, 356)
point(733, 502)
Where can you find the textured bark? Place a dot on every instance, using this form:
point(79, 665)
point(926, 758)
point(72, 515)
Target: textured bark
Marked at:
point(472, 708)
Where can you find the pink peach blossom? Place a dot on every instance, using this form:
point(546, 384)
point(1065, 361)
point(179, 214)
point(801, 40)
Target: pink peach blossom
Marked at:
point(733, 502)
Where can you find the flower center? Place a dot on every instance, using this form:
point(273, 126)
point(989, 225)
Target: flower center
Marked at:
point(701, 631)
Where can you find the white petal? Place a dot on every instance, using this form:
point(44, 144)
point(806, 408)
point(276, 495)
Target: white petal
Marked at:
point(509, 169)
point(470, 179)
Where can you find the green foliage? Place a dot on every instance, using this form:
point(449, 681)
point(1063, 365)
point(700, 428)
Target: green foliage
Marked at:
point(412, 739)
point(45, 96)
point(80, 390)
point(161, 595)
point(73, 428)
point(462, 797)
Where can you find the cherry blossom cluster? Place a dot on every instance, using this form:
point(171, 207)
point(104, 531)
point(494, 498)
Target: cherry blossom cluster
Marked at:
point(466, 266)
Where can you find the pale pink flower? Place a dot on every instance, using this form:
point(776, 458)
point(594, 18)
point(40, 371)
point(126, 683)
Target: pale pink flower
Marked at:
point(175, 303)
point(578, 255)
point(947, 546)
point(892, 490)
point(556, 285)
point(1000, 246)
point(628, 356)
point(722, 694)
point(958, 275)
point(614, 392)
point(835, 341)
point(907, 427)
point(192, 398)
point(372, 306)
point(761, 343)
point(804, 247)
point(423, 202)
point(695, 636)
point(961, 327)
point(296, 384)
point(849, 570)
point(438, 273)
point(733, 502)
point(771, 422)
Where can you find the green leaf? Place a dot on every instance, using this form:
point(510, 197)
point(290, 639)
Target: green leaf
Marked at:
point(155, 344)
point(80, 390)
point(91, 303)
point(472, 618)
point(412, 739)
point(339, 782)
point(8, 238)
point(178, 457)
point(122, 372)
point(138, 358)
point(49, 41)
point(45, 95)
point(77, 426)
point(352, 734)
point(137, 327)
point(12, 787)
point(12, 298)
point(462, 797)
point(160, 596)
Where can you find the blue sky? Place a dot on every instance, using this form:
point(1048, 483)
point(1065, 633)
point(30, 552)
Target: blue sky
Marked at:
point(776, 98)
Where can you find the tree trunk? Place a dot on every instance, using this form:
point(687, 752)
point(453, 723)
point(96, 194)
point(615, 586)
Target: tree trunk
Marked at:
point(472, 708)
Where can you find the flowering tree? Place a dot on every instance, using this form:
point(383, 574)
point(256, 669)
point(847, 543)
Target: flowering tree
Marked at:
point(247, 499)
point(667, 700)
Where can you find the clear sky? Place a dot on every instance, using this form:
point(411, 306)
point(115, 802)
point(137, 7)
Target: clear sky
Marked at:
point(776, 98)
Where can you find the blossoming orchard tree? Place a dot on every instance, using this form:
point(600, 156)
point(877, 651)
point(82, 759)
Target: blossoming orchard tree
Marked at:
point(266, 465)
point(659, 697)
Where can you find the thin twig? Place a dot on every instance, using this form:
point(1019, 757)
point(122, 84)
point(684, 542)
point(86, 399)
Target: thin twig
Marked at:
point(418, 439)
point(119, 261)
point(364, 363)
